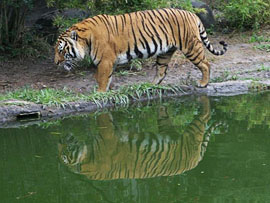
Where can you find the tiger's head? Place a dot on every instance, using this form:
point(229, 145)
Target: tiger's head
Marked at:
point(69, 49)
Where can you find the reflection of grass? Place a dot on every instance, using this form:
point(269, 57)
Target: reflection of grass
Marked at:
point(54, 97)
point(259, 86)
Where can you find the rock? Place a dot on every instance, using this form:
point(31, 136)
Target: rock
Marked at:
point(44, 25)
point(228, 88)
point(207, 17)
point(41, 19)
point(75, 13)
point(46, 20)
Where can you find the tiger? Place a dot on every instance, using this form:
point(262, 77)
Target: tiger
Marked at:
point(112, 154)
point(110, 40)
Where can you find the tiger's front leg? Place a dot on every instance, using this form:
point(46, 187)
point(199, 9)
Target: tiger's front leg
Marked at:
point(104, 75)
point(162, 65)
point(161, 71)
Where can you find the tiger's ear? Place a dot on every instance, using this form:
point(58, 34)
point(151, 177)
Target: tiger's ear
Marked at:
point(74, 35)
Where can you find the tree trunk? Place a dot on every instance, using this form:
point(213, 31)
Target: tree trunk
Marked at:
point(12, 20)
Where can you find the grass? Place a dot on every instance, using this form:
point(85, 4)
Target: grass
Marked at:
point(61, 98)
point(263, 47)
point(49, 97)
point(226, 75)
point(127, 73)
point(124, 95)
point(263, 68)
point(86, 62)
point(260, 39)
point(136, 64)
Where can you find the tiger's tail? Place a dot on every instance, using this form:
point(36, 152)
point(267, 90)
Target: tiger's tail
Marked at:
point(207, 43)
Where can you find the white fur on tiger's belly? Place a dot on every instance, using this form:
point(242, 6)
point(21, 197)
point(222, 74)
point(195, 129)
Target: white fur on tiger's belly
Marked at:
point(123, 58)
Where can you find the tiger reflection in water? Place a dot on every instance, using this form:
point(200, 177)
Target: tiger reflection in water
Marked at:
point(137, 156)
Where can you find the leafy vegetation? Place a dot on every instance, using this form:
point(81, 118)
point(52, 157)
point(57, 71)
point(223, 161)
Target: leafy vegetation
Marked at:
point(245, 14)
point(239, 14)
point(12, 17)
point(119, 6)
point(114, 7)
point(15, 39)
point(63, 23)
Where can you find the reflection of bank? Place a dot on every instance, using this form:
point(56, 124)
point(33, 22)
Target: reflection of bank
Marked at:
point(121, 155)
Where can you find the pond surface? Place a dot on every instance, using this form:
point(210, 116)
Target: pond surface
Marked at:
point(193, 149)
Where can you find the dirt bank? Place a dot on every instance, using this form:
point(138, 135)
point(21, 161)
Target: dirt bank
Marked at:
point(240, 68)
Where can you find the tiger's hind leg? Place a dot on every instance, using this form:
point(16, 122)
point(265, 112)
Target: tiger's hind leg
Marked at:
point(204, 67)
point(197, 57)
point(162, 65)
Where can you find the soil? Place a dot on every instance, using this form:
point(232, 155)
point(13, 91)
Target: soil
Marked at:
point(241, 62)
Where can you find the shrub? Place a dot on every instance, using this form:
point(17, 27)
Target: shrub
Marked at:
point(12, 17)
point(15, 39)
point(119, 6)
point(113, 7)
point(246, 14)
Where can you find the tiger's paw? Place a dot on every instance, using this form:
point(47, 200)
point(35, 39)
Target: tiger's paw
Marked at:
point(202, 84)
point(156, 81)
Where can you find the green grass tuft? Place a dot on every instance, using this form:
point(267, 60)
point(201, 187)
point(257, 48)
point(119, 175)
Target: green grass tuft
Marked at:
point(258, 38)
point(49, 97)
point(134, 92)
point(60, 98)
point(263, 47)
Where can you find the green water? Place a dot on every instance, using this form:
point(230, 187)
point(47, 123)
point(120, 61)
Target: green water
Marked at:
point(193, 149)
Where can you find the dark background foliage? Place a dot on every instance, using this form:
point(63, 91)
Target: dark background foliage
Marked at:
point(16, 37)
